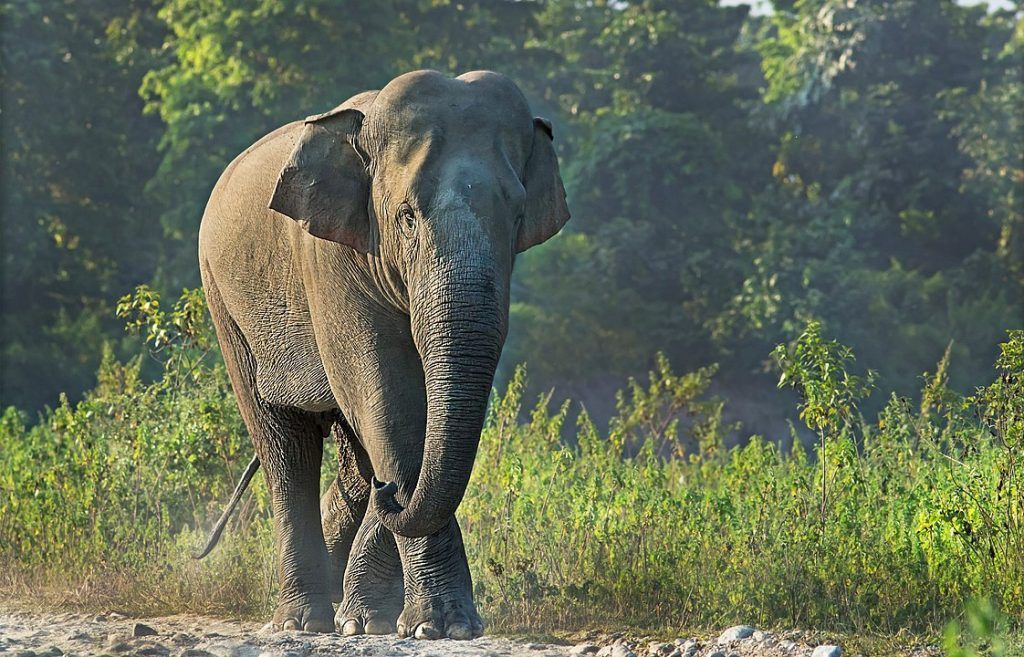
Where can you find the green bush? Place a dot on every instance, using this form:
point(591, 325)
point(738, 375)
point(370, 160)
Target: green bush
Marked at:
point(652, 523)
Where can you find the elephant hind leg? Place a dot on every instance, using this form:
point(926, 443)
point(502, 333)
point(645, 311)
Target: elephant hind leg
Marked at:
point(289, 444)
point(344, 504)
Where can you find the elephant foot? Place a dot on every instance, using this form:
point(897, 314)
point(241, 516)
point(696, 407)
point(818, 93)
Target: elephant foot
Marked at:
point(372, 610)
point(310, 613)
point(371, 605)
point(373, 583)
point(438, 587)
point(448, 615)
point(352, 622)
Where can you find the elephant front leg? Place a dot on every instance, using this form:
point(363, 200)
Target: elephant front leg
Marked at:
point(373, 583)
point(438, 587)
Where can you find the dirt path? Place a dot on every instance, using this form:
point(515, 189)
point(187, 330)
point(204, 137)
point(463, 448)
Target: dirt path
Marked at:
point(29, 634)
point(50, 635)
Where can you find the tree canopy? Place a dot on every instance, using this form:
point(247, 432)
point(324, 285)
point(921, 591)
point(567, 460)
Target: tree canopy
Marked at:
point(730, 176)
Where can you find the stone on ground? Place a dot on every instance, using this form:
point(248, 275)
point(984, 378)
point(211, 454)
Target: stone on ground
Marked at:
point(736, 633)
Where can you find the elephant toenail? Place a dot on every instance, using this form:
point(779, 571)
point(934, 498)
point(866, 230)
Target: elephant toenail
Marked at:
point(427, 631)
point(292, 624)
point(460, 632)
point(352, 628)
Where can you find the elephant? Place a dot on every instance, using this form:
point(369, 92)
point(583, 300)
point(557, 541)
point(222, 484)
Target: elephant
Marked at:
point(357, 266)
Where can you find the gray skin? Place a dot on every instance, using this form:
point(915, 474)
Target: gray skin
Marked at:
point(357, 268)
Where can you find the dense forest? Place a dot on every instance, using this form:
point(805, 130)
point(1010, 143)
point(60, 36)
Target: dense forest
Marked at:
point(731, 176)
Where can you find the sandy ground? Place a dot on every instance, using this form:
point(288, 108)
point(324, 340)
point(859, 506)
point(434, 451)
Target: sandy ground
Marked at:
point(31, 634)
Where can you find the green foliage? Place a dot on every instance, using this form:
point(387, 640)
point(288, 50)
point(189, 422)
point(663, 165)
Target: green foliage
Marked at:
point(730, 176)
point(109, 487)
point(984, 635)
point(879, 222)
point(77, 153)
point(180, 338)
point(817, 368)
point(651, 523)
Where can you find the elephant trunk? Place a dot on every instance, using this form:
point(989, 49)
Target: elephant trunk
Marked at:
point(459, 323)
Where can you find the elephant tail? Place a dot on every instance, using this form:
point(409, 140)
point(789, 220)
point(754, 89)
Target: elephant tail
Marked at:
point(218, 529)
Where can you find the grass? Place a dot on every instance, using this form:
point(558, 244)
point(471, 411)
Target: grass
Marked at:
point(885, 530)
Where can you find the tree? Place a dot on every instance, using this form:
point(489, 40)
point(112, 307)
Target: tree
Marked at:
point(870, 226)
point(76, 154)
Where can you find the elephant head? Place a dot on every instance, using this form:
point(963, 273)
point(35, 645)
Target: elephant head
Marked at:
point(439, 182)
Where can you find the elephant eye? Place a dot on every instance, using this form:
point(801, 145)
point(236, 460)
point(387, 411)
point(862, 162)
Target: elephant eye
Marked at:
point(407, 220)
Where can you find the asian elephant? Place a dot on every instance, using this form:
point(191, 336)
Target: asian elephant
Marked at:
point(356, 265)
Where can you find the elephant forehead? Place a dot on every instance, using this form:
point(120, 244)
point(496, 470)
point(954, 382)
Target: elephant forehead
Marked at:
point(427, 108)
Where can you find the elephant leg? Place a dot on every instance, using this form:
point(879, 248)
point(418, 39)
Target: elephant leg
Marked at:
point(289, 443)
point(291, 451)
point(438, 587)
point(343, 505)
point(373, 583)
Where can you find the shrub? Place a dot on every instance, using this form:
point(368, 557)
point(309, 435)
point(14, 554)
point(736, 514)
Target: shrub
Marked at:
point(648, 523)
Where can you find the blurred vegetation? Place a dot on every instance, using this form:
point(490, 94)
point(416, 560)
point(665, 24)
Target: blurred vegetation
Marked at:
point(731, 176)
point(649, 523)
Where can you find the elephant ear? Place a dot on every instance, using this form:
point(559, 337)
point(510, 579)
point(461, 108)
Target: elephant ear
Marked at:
point(546, 211)
point(324, 184)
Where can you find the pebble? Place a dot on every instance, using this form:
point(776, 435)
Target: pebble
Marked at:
point(827, 651)
point(583, 649)
point(616, 650)
point(736, 633)
point(787, 646)
point(143, 630)
point(658, 648)
point(717, 653)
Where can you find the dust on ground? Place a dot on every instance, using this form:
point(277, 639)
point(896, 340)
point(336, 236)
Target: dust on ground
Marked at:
point(33, 634)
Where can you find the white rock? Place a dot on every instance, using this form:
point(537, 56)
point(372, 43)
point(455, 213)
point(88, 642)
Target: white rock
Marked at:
point(827, 651)
point(735, 633)
point(659, 648)
point(787, 646)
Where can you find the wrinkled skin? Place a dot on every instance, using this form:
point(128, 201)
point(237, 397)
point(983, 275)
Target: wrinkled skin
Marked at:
point(357, 268)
